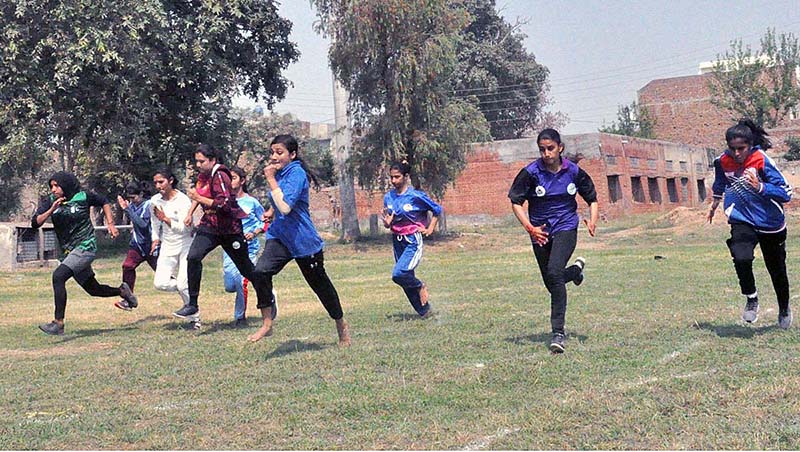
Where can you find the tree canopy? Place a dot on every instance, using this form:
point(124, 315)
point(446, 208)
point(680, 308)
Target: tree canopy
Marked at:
point(632, 120)
point(113, 87)
point(761, 85)
point(397, 59)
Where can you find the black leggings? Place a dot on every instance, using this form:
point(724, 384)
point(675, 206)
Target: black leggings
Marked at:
point(91, 286)
point(552, 258)
point(773, 247)
point(276, 256)
point(236, 247)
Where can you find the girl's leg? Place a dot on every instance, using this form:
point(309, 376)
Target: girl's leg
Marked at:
point(166, 271)
point(132, 261)
point(313, 269)
point(202, 244)
point(182, 279)
point(234, 283)
point(562, 245)
point(60, 276)
point(408, 253)
point(236, 247)
point(271, 262)
point(741, 245)
point(773, 247)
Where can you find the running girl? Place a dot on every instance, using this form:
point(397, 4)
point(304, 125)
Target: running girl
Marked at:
point(292, 236)
point(221, 225)
point(405, 212)
point(137, 206)
point(754, 190)
point(68, 207)
point(171, 237)
point(549, 185)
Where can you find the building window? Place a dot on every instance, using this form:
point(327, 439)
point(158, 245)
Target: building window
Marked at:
point(668, 165)
point(611, 159)
point(652, 164)
point(699, 168)
point(636, 189)
point(654, 189)
point(672, 190)
point(614, 189)
point(684, 166)
point(685, 188)
point(701, 189)
point(634, 162)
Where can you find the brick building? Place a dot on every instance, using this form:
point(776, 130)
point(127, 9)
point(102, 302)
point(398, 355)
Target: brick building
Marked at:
point(682, 109)
point(632, 175)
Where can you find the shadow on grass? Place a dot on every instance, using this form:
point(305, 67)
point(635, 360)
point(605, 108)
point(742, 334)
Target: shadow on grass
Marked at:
point(735, 330)
point(367, 242)
point(403, 317)
point(295, 346)
point(148, 319)
point(227, 326)
point(71, 336)
point(542, 338)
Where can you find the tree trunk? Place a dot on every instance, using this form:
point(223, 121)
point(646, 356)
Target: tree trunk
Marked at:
point(342, 141)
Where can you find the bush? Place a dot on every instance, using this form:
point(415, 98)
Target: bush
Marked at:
point(793, 153)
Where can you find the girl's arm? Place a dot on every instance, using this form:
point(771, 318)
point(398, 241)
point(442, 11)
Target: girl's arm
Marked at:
point(190, 216)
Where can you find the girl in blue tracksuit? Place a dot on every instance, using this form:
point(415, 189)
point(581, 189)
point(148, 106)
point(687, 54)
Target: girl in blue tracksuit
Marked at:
point(754, 191)
point(137, 206)
point(405, 212)
point(549, 185)
point(292, 236)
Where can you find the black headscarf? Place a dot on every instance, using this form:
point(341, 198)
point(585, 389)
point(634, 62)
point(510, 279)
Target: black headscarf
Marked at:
point(68, 183)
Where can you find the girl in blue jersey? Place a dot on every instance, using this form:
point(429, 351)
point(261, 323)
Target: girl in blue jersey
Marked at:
point(754, 191)
point(292, 236)
point(252, 226)
point(549, 185)
point(137, 205)
point(405, 212)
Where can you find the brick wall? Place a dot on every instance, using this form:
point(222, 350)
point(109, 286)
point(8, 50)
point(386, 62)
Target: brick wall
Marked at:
point(482, 188)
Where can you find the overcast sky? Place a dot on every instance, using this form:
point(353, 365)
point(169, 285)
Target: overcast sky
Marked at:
point(599, 53)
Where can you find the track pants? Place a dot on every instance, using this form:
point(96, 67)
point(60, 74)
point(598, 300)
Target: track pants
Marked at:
point(742, 243)
point(407, 255)
point(552, 259)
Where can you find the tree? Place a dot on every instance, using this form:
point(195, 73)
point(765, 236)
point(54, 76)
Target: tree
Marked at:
point(793, 148)
point(496, 70)
point(396, 58)
point(632, 120)
point(759, 85)
point(115, 87)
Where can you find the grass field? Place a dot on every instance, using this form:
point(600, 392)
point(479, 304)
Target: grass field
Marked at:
point(657, 356)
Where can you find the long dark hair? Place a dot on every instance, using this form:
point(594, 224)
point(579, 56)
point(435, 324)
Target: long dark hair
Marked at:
point(209, 152)
point(403, 167)
point(290, 143)
point(242, 176)
point(751, 133)
point(167, 173)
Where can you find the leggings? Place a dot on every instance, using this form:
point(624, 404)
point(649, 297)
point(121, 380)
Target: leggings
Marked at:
point(552, 258)
point(773, 247)
point(90, 285)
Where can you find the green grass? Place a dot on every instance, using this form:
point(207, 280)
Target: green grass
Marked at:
point(657, 356)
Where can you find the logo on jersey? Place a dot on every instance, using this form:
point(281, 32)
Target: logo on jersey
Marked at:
point(236, 245)
point(571, 189)
point(408, 207)
point(540, 191)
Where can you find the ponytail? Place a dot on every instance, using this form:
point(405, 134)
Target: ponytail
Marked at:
point(751, 133)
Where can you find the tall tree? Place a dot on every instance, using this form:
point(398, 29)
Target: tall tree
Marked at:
point(396, 58)
point(761, 85)
point(632, 120)
point(496, 70)
point(113, 87)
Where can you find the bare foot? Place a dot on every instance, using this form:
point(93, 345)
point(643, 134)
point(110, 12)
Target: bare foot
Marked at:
point(262, 332)
point(423, 294)
point(343, 329)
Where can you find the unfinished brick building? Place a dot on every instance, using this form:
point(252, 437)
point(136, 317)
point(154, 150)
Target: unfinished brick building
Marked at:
point(683, 112)
point(632, 175)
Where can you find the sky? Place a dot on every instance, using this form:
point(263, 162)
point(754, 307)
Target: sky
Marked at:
point(599, 53)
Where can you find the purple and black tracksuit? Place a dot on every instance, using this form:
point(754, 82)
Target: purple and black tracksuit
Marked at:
point(551, 202)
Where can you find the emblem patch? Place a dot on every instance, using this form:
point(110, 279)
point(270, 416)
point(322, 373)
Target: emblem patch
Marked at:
point(571, 189)
point(540, 191)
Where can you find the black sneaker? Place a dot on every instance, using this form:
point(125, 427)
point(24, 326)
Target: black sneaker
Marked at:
point(750, 314)
point(126, 293)
point(785, 319)
point(52, 328)
point(187, 312)
point(581, 263)
point(240, 323)
point(124, 305)
point(557, 343)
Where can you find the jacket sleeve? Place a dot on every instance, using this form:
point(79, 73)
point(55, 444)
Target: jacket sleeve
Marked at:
point(155, 224)
point(142, 219)
point(221, 190)
point(585, 186)
point(774, 185)
point(520, 187)
point(720, 181)
point(430, 204)
point(44, 204)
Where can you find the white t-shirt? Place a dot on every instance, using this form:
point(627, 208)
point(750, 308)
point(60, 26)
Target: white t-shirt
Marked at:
point(177, 236)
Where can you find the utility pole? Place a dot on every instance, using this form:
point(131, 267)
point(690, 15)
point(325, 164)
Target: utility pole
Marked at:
point(342, 143)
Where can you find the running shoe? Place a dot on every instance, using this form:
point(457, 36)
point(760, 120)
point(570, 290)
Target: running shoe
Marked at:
point(557, 343)
point(785, 319)
point(187, 312)
point(123, 304)
point(750, 314)
point(581, 263)
point(127, 294)
point(53, 328)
